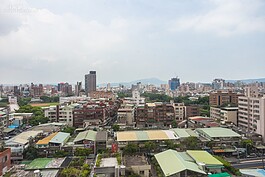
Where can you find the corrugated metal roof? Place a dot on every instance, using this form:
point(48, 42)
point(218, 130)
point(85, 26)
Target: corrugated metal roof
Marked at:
point(177, 163)
point(47, 139)
point(204, 157)
point(60, 137)
point(145, 135)
point(86, 135)
point(218, 132)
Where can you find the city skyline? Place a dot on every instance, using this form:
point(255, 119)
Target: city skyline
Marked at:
point(47, 42)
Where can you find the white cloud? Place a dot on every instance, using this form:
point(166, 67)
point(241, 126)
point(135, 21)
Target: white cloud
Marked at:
point(228, 17)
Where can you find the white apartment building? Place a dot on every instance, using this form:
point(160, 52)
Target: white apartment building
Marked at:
point(251, 114)
point(61, 114)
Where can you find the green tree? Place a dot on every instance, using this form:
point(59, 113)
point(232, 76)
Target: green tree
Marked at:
point(31, 153)
point(70, 172)
point(149, 145)
point(174, 124)
point(83, 151)
point(131, 148)
point(191, 143)
point(68, 129)
point(115, 127)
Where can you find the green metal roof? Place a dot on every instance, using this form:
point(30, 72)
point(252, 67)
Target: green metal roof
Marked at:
point(86, 135)
point(204, 157)
point(171, 162)
point(220, 175)
point(218, 132)
point(60, 137)
point(182, 133)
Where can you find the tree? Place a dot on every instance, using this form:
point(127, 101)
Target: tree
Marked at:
point(191, 143)
point(83, 151)
point(149, 145)
point(131, 148)
point(174, 124)
point(31, 153)
point(70, 172)
point(115, 127)
point(70, 130)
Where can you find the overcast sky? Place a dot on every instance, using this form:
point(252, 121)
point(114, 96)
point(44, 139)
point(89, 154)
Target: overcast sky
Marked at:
point(52, 41)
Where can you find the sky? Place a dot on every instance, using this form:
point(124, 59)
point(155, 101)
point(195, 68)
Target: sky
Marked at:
point(55, 41)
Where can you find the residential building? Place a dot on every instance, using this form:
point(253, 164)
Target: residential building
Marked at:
point(109, 95)
point(126, 115)
point(65, 89)
point(174, 83)
point(226, 114)
point(220, 98)
point(90, 82)
point(95, 113)
point(180, 111)
point(192, 111)
point(154, 114)
point(5, 159)
point(251, 114)
point(61, 113)
point(3, 119)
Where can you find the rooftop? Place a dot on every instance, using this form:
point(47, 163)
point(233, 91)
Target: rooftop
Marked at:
point(134, 161)
point(86, 135)
point(47, 139)
point(60, 137)
point(172, 162)
point(218, 132)
point(203, 157)
point(145, 135)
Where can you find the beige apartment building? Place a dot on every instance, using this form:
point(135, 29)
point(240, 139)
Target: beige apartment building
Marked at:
point(226, 114)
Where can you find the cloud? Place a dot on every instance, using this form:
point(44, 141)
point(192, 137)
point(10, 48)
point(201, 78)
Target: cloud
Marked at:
point(43, 38)
point(226, 18)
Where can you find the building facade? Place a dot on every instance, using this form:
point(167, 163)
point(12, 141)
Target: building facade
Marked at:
point(154, 114)
point(220, 98)
point(90, 82)
point(174, 83)
point(251, 114)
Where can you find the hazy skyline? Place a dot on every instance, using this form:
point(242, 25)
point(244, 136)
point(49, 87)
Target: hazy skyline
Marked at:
point(124, 40)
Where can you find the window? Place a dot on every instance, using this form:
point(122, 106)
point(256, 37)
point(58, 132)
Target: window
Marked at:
point(141, 172)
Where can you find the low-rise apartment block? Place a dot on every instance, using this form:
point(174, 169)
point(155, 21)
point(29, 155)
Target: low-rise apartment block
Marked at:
point(220, 98)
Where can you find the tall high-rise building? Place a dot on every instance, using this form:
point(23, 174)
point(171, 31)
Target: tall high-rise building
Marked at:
point(174, 83)
point(90, 82)
point(78, 88)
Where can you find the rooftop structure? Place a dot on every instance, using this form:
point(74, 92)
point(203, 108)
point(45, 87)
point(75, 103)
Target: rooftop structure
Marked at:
point(178, 163)
point(146, 135)
point(46, 140)
point(86, 135)
point(60, 138)
point(217, 132)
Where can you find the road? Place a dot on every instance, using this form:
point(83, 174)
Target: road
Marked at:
point(254, 163)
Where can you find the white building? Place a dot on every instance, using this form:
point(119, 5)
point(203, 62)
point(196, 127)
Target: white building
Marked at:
point(61, 114)
point(251, 113)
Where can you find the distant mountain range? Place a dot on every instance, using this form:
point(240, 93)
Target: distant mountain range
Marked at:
point(153, 81)
point(247, 81)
